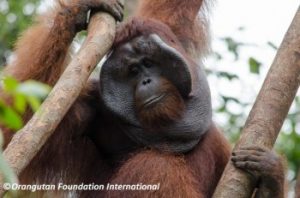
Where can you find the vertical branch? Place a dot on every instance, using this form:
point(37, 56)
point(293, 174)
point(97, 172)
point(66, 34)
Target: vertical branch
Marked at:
point(297, 187)
point(269, 111)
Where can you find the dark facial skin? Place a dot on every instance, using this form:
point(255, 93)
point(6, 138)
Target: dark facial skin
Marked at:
point(147, 83)
point(154, 95)
point(264, 164)
point(152, 87)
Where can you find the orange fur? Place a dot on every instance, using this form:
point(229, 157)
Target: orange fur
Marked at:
point(193, 175)
point(208, 160)
point(41, 51)
point(184, 20)
point(163, 112)
point(71, 156)
point(153, 167)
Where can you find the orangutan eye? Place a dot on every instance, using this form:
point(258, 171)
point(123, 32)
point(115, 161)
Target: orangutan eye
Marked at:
point(133, 71)
point(147, 63)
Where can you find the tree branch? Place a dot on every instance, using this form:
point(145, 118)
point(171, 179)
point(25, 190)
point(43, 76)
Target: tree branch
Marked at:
point(28, 141)
point(297, 187)
point(269, 111)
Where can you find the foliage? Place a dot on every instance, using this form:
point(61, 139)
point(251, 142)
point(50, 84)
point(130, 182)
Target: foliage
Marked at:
point(288, 142)
point(28, 93)
point(15, 16)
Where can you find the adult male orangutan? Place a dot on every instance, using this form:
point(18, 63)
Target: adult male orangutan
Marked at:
point(148, 118)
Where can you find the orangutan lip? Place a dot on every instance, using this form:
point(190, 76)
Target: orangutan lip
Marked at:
point(153, 100)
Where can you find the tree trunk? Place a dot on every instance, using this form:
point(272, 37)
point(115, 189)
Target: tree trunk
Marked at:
point(297, 187)
point(269, 111)
point(28, 141)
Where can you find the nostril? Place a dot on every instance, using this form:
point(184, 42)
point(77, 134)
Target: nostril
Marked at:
point(147, 81)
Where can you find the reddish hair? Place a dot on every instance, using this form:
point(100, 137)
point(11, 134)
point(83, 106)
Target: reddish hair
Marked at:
point(136, 27)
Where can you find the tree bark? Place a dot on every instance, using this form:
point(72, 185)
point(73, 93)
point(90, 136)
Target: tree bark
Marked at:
point(269, 111)
point(130, 7)
point(28, 141)
point(297, 187)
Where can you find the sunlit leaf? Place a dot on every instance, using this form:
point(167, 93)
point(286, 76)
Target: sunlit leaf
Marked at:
point(10, 84)
point(254, 65)
point(35, 89)
point(20, 103)
point(33, 102)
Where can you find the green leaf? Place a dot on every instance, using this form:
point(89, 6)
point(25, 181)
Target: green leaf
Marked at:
point(254, 65)
point(20, 103)
point(10, 84)
point(232, 46)
point(227, 75)
point(222, 109)
point(33, 102)
point(218, 56)
point(10, 118)
point(227, 98)
point(35, 89)
point(272, 45)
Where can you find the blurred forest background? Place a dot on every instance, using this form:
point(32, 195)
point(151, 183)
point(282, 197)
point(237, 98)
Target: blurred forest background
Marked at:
point(233, 94)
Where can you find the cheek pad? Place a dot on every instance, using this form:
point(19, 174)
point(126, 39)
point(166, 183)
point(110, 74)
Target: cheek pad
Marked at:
point(117, 95)
point(116, 91)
